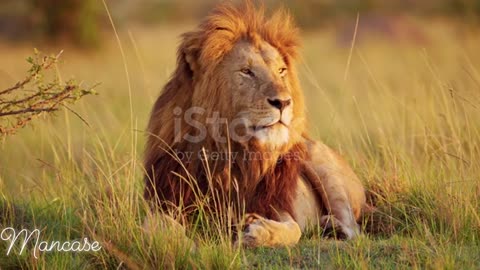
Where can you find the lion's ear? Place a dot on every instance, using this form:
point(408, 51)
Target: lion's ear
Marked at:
point(191, 58)
point(189, 52)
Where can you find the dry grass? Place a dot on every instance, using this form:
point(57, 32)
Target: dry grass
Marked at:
point(406, 115)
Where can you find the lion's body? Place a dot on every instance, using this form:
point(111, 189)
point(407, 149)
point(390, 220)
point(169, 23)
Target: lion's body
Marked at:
point(235, 93)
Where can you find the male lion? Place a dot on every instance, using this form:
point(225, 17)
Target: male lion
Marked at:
point(231, 122)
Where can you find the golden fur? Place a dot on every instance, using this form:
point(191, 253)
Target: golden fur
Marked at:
point(268, 186)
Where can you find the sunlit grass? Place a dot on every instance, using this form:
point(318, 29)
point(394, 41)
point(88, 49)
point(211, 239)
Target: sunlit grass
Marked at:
point(407, 118)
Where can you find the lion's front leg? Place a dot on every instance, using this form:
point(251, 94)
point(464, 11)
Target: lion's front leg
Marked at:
point(342, 193)
point(261, 231)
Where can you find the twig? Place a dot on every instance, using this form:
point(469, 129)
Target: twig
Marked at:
point(19, 107)
point(29, 110)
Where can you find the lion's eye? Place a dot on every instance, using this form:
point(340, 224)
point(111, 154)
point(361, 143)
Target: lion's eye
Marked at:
point(282, 71)
point(247, 71)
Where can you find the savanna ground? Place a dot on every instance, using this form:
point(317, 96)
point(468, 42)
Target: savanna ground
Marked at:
point(404, 112)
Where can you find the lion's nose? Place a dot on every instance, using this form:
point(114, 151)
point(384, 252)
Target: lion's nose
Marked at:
point(280, 103)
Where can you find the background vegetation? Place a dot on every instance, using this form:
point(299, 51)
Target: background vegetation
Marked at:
point(401, 103)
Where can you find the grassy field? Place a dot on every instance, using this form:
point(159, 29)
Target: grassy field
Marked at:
point(405, 114)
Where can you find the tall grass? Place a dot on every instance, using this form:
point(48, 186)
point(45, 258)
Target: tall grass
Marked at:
point(405, 115)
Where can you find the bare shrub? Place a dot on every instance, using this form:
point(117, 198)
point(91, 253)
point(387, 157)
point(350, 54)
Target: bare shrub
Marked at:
point(40, 92)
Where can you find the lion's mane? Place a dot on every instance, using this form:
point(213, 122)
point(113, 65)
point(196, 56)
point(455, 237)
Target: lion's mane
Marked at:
point(264, 184)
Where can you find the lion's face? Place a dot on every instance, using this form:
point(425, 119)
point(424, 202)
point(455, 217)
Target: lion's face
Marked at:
point(259, 92)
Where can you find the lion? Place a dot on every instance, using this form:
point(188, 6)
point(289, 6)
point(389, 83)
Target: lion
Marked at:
point(235, 93)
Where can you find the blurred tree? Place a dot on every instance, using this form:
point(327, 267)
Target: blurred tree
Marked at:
point(75, 20)
point(79, 20)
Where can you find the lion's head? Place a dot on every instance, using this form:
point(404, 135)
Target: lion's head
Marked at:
point(235, 89)
point(261, 93)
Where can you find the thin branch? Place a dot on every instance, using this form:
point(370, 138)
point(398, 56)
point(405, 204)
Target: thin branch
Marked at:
point(29, 110)
point(78, 115)
point(20, 108)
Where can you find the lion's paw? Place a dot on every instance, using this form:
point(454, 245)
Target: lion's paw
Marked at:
point(252, 218)
point(254, 233)
point(333, 227)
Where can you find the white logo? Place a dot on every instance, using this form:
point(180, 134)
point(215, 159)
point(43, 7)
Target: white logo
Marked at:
point(9, 234)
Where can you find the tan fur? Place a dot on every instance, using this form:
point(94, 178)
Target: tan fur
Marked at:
point(239, 67)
